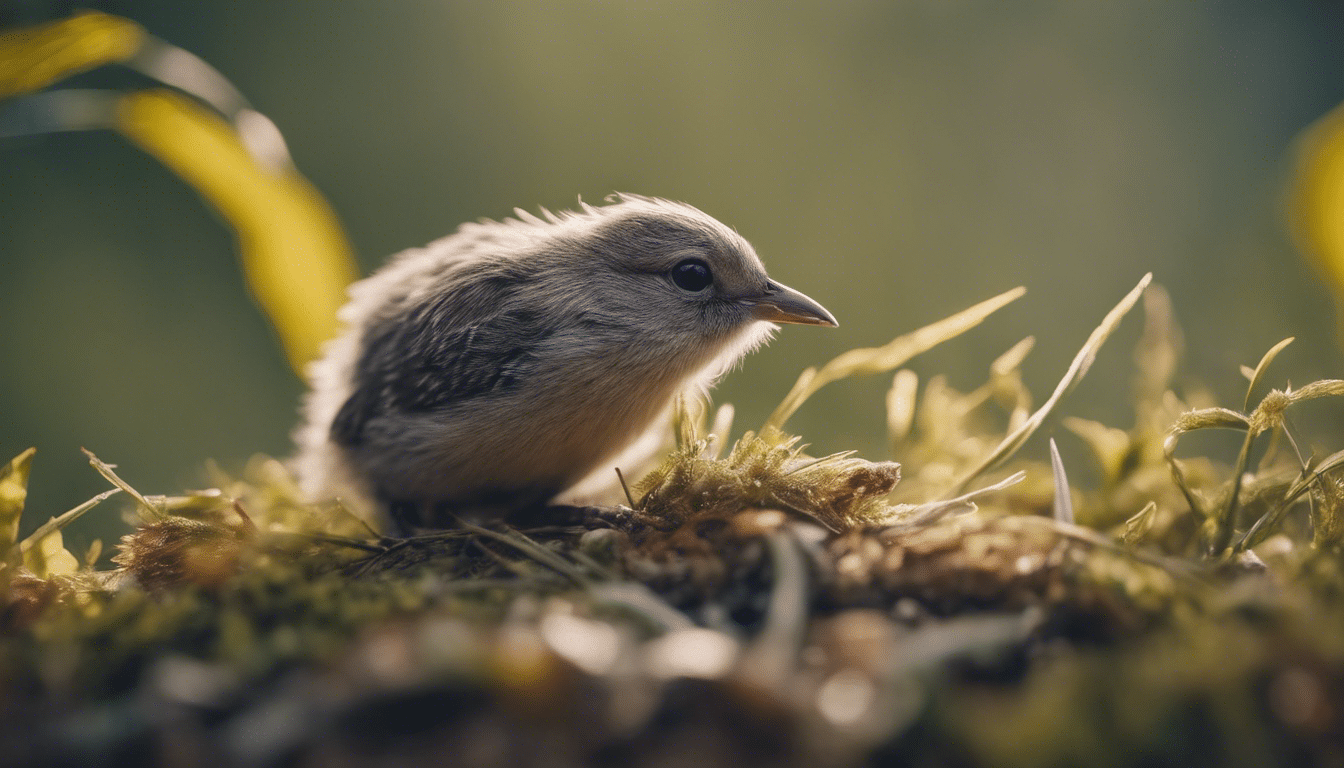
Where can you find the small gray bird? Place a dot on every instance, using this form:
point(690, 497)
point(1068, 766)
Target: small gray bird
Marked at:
point(498, 366)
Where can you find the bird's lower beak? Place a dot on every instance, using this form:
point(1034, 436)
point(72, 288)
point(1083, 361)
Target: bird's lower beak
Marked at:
point(782, 304)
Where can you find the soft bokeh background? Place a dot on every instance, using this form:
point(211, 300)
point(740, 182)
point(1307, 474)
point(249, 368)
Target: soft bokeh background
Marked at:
point(898, 161)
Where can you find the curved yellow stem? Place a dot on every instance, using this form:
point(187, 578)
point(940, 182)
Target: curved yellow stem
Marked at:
point(34, 57)
point(295, 255)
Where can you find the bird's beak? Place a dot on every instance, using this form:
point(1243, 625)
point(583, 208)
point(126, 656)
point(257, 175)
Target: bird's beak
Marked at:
point(782, 304)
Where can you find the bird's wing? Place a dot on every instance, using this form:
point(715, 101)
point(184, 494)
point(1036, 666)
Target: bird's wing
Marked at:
point(436, 355)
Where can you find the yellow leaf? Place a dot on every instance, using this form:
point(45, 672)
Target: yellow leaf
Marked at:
point(34, 57)
point(295, 255)
point(1108, 444)
point(1140, 524)
point(13, 494)
point(1317, 205)
point(48, 557)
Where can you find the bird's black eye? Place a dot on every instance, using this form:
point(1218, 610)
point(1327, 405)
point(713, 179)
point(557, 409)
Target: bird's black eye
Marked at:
point(692, 275)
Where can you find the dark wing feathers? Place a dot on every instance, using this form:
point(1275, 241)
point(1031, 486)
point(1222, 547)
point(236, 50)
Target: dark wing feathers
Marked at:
point(432, 357)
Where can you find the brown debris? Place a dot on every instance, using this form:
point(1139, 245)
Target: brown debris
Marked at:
point(179, 551)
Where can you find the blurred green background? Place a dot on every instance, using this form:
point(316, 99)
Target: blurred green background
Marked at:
point(898, 161)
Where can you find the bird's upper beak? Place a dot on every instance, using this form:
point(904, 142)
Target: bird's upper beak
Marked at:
point(782, 304)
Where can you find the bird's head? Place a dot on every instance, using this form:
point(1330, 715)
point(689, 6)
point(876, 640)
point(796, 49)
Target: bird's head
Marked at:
point(678, 270)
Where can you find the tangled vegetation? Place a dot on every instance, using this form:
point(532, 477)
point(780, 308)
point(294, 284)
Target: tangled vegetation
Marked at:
point(964, 607)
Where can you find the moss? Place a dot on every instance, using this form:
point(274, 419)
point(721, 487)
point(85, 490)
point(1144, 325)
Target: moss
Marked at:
point(752, 604)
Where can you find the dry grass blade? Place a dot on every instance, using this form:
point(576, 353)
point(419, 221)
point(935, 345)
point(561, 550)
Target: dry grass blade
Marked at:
point(1270, 412)
point(924, 514)
point(1172, 565)
point(1211, 418)
point(719, 430)
point(807, 464)
point(1140, 524)
point(625, 487)
point(1063, 500)
point(61, 521)
point(1222, 538)
point(106, 471)
point(1270, 520)
point(530, 548)
point(1204, 418)
point(685, 421)
point(1268, 415)
point(1328, 464)
point(1159, 348)
point(1012, 359)
point(1260, 369)
point(1081, 363)
point(1322, 388)
point(327, 538)
point(885, 358)
point(901, 404)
